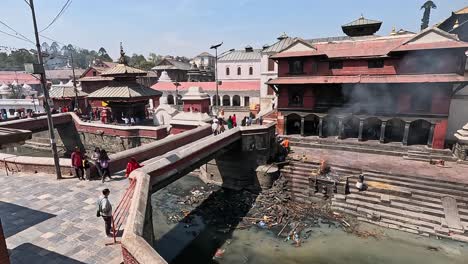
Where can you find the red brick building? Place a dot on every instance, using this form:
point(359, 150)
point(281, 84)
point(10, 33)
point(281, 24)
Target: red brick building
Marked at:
point(395, 88)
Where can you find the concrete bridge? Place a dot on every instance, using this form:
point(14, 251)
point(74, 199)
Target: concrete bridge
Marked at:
point(256, 142)
point(71, 132)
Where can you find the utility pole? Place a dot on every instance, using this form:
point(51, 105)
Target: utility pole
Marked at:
point(74, 81)
point(41, 71)
point(217, 100)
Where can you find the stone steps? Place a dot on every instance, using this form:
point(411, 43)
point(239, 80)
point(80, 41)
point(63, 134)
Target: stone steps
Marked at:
point(419, 179)
point(403, 202)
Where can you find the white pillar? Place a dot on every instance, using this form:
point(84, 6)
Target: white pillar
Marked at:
point(221, 100)
point(232, 101)
point(242, 101)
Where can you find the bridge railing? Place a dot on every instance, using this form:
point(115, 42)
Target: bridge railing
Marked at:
point(121, 211)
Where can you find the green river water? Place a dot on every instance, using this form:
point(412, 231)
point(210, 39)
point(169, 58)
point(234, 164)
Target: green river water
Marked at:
point(197, 243)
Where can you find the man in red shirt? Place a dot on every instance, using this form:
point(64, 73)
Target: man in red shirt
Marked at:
point(77, 163)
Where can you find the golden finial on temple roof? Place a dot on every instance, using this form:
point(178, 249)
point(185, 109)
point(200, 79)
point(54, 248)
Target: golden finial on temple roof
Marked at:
point(457, 24)
point(122, 59)
point(393, 31)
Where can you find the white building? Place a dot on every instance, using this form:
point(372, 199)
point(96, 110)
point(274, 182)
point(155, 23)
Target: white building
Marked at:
point(10, 106)
point(239, 65)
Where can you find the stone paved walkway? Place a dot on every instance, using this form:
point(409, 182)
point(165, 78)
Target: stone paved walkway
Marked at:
point(50, 221)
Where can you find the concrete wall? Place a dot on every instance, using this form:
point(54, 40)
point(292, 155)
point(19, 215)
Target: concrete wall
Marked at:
point(458, 116)
point(266, 75)
point(257, 147)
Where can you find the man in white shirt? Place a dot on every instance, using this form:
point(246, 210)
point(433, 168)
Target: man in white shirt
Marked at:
point(105, 210)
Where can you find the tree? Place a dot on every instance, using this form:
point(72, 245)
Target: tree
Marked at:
point(54, 48)
point(155, 58)
point(428, 6)
point(103, 55)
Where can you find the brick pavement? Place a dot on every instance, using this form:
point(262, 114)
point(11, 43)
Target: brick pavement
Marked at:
point(50, 221)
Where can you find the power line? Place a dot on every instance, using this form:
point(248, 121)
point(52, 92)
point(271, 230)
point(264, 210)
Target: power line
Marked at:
point(11, 35)
point(65, 6)
point(16, 32)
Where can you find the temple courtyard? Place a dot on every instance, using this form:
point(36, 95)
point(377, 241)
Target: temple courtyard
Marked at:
point(49, 221)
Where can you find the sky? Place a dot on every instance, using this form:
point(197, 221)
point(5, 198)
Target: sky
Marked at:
point(189, 27)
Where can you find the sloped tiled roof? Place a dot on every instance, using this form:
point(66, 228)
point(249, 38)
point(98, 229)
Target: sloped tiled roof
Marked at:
point(118, 90)
point(464, 10)
point(210, 86)
point(171, 64)
point(279, 45)
point(241, 55)
point(9, 77)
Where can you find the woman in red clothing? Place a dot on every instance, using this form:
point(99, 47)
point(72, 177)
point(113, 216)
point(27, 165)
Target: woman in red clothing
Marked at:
point(131, 166)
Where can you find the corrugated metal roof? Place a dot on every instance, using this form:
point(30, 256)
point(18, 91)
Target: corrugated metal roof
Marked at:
point(241, 55)
point(122, 69)
point(63, 73)
point(122, 90)
point(64, 92)
point(362, 21)
point(280, 45)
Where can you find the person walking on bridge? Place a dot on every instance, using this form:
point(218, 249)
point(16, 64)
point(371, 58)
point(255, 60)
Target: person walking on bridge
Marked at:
point(104, 164)
point(131, 166)
point(77, 163)
point(229, 122)
point(214, 126)
point(105, 210)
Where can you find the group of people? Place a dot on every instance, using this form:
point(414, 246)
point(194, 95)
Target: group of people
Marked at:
point(82, 165)
point(218, 124)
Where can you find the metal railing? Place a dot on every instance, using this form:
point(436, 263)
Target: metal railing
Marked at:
point(121, 211)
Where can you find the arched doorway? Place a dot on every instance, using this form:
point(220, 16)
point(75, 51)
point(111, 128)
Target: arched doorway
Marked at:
point(226, 100)
point(236, 100)
point(371, 129)
point(293, 124)
point(351, 127)
point(394, 130)
point(311, 125)
point(419, 132)
point(170, 99)
point(330, 126)
point(216, 98)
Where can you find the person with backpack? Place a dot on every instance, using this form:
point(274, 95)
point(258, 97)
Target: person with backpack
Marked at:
point(105, 211)
point(104, 164)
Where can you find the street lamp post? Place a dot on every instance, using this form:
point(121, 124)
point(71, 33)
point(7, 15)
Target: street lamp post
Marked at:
point(215, 47)
point(176, 84)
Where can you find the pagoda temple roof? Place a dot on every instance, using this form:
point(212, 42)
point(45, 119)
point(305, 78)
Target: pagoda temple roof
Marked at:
point(61, 91)
point(123, 90)
point(362, 21)
point(122, 70)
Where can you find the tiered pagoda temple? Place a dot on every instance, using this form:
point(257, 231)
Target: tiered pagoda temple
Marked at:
point(123, 95)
